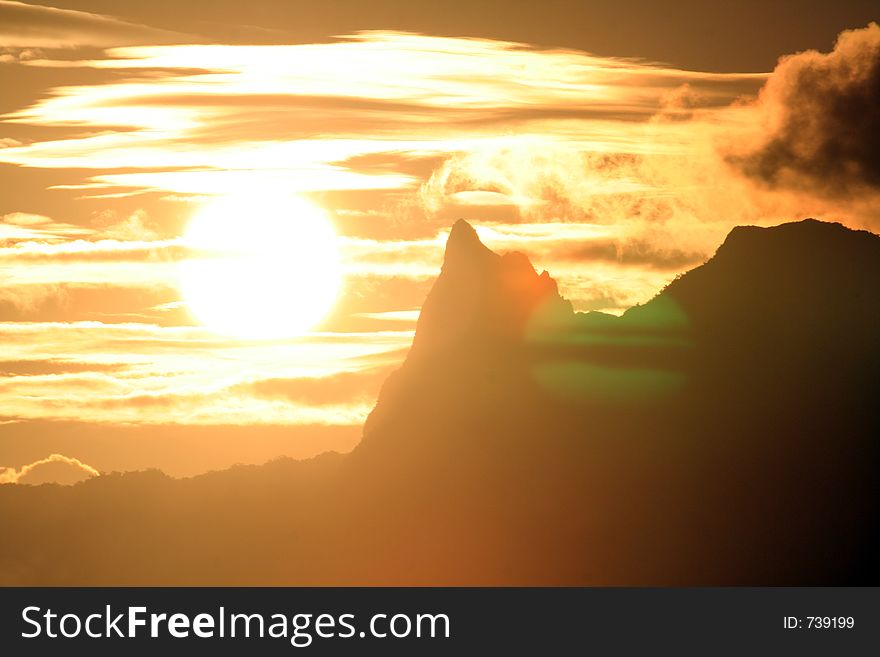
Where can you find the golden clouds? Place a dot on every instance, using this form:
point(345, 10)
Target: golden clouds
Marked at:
point(293, 113)
point(141, 372)
point(443, 127)
point(17, 227)
point(146, 374)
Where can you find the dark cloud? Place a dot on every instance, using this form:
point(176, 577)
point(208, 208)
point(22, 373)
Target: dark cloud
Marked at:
point(822, 116)
point(635, 252)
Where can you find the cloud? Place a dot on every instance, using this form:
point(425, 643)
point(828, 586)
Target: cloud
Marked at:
point(485, 129)
point(137, 226)
point(677, 203)
point(542, 178)
point(38, 26)
point(305, 117)
point(406, 316)
point(637, 252)
point(820, 119)
point(43, 260)
point(219, 407)
point(144, 374)
point(421, 131)
point(681, 104)
point(42, 367)
point(360, 386)
point(18, 226)
point(46, 470)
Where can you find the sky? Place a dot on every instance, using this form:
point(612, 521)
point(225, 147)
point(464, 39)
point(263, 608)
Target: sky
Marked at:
point(614, 143)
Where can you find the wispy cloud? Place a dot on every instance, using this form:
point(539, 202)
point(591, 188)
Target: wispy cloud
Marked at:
point(22, 474)
point(37, 26)
point(363, 94)
point(148, 374)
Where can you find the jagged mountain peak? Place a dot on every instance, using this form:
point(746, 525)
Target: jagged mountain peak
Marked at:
point(481, 295)
point(464, 249)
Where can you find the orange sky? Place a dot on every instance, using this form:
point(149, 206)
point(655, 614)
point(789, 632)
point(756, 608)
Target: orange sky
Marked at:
point(615, 172)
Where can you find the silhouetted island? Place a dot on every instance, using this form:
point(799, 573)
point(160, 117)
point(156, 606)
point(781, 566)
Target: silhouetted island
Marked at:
point(726, 432)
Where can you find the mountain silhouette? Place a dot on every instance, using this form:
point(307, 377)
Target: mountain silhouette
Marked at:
point(725, 432)
point(481, 297)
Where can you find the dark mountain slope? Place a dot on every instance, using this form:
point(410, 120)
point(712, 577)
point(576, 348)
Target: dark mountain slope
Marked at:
point(723, 432)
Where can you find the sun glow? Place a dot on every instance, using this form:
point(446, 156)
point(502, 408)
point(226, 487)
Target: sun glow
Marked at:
point(265, 266)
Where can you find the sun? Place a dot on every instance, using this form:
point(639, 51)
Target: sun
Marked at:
point(265, 267)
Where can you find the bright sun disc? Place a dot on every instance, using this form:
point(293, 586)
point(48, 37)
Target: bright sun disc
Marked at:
point(260, 269)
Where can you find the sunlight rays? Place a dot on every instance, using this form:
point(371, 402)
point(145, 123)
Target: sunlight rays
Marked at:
point(269, 265)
